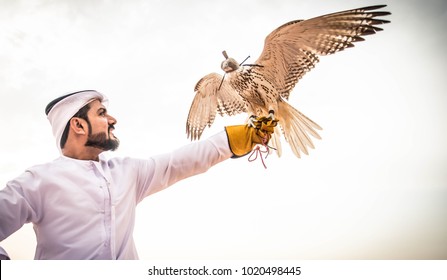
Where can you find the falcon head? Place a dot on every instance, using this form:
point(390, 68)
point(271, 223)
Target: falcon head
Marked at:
point(229, 64)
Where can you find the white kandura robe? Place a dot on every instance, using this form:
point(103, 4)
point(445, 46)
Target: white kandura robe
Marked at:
point(86, 209)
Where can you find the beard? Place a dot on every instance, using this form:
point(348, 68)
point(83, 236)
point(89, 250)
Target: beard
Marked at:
point(101, 141)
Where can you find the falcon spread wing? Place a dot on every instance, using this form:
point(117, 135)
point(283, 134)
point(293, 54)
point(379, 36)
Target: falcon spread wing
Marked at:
point(292, 49)
point(212, 96)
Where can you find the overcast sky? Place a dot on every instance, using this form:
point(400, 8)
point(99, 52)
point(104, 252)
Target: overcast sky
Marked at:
point(375, 187)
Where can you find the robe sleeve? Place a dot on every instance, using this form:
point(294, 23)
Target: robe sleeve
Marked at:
point(17, 206)
point(164, 170)
point(3, 254)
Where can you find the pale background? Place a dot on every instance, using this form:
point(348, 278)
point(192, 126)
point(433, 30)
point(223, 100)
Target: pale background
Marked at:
point(375, 187)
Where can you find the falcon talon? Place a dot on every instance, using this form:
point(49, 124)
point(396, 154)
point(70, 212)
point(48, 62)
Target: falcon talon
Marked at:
point(251, 121)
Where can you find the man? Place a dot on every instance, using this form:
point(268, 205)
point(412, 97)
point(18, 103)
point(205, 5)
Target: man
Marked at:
point(82, 205)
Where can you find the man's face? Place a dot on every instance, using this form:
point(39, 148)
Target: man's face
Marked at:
point(101, 128)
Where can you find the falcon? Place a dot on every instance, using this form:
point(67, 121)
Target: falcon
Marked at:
point(263, 88)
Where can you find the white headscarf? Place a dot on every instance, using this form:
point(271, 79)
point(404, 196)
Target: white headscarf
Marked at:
point(67, 107)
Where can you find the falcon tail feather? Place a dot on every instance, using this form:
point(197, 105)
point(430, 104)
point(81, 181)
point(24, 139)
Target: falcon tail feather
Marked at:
point(297, 128)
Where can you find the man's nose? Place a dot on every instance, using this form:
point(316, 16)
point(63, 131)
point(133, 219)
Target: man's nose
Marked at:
point(112, 120)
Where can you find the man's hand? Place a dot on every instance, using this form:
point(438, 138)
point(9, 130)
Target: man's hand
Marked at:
point(243, 138)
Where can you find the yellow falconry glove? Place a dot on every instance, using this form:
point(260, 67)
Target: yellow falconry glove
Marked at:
point(243, 138)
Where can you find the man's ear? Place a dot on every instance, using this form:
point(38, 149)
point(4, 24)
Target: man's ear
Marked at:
point(78, 125)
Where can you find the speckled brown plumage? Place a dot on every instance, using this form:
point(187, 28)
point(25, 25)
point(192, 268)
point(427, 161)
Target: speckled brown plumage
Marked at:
point(290, 51)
